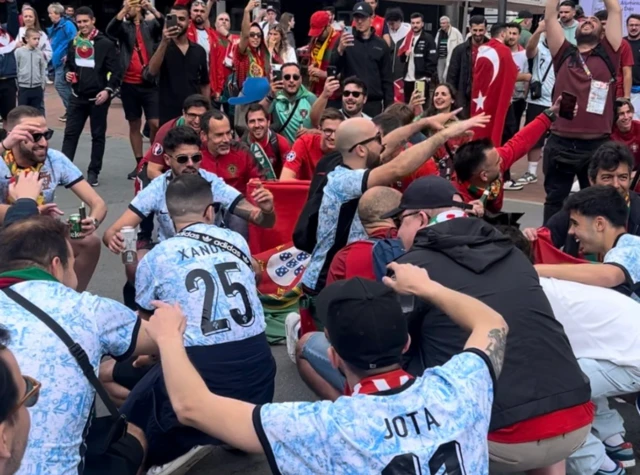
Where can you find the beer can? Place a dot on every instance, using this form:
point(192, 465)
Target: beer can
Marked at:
point(75, 225)
point(130, 253)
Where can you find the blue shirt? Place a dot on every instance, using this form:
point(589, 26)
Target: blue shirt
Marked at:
point(626, 255)
point(152, 199)
point(443, 415)
point(216, 290)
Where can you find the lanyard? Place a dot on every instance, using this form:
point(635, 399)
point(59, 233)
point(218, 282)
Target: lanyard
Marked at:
point(584, 66)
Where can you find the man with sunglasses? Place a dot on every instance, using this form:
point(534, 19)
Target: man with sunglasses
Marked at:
point(27, 148)
point(212, 279)
point(18, 393)
point(354, 98)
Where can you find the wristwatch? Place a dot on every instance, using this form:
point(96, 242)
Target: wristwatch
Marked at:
point(96, 222)
point(550, 114)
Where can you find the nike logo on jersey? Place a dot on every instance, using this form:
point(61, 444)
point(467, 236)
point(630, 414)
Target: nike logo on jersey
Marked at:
point(410, 424)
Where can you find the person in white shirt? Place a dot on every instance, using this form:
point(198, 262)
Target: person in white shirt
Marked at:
point(447, 38)
point(30, 19)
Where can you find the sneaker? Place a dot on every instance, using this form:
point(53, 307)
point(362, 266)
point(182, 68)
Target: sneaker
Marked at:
point(512, 186)
point(133, 175)
point(292, 330)
point(183, 464)
point(575, 187)
point(63, 118)
point(623, 454)
point(619, 470)
point(527, 178)
point(49, 81)
point(93, 179)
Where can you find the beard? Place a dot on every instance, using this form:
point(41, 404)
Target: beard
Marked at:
point(199, 21)
point(187, 171)
point(373, 160)
point(587, 38)
point(31, 155)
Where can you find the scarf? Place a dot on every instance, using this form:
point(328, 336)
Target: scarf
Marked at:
point(85, 53)
point(15, 170)
point(318, 52)
point(7, 279)
point(406, 44)
point(486, 194)
point(79, 39)
point(320, 57)
point(380, 382)
point(254, 63)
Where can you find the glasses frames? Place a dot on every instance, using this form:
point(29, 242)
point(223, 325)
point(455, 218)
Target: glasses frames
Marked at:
point(31, 394)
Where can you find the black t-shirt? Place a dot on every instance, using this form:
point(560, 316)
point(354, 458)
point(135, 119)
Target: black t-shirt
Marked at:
point(443, 40)
point(635, 47)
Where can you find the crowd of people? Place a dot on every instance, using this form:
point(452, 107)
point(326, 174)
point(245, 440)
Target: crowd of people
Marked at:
point(433, 332)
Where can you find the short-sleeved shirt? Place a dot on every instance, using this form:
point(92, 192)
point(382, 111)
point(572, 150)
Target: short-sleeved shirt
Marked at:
point(626, 60)
point(441, 417)
point(626, 255)
point(343, 185)
point(153, 200)
point(155, 153)
point(305, 154)
point(57, 170)
point(102, 327)
point(236, 168)
point(216, 290)
point(631, 139)
point(542, 63)
point(522, 63)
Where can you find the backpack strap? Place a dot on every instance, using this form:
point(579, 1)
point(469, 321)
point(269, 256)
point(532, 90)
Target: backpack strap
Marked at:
point(275, 145)
point(598, 51)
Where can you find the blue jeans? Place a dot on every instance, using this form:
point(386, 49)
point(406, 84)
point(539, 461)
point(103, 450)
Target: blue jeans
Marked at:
point(62, 86)
point(315, 352)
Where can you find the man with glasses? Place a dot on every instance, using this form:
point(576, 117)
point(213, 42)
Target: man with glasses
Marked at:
point(354, 98)
point(308, 149)
point(19, 392)
point(27, 148)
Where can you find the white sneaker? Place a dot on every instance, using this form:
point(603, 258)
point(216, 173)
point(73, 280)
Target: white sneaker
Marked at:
point(183, 464)
point(527, 179)
point(292, 330)
point(512, 186)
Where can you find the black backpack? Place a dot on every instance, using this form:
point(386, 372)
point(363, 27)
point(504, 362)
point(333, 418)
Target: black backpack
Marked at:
point(598, 51)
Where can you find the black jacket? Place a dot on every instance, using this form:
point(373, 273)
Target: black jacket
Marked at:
point(540, 373)
point(460, 74)
point(370, 61)
point(124, 32)
point(425, 57)
point(105, 74)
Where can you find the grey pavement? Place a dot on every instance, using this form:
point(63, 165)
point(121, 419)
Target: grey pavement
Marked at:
point(109, 278)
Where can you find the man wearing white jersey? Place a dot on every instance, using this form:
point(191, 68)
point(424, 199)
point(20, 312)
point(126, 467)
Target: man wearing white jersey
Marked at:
point(392, 423)
point(207, 271)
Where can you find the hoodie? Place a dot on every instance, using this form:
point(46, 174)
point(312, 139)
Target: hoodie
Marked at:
point(540, 374)
point(298, 106)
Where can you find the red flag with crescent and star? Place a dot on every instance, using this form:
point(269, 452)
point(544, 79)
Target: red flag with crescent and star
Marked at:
point(494, 78)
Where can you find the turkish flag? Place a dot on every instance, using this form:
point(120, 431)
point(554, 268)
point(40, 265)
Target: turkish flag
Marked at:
point(398, 90)
point(544, 252)
point(494, 78)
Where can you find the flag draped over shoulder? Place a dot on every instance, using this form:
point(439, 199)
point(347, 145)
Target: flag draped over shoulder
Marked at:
point(494, 78)
point(544, 252)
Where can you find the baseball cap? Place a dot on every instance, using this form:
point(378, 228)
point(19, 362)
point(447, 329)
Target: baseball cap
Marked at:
point(253, 90)
point(365, 322)
point(271, 8)
point(362, 9)
point(428, 192)
point(524, 14)
point(319, 21)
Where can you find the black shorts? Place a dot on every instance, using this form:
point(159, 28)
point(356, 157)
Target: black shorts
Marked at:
point(533, 111)
point(137, 98)
point(124, 457)
point(243, 370)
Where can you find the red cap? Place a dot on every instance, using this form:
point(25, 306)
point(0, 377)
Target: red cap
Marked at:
point(319, 21)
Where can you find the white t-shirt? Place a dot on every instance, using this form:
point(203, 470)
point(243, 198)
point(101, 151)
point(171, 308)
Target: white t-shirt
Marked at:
point(437, 419)
point(203, 40)
point(542, 63)
point(411, 66)
point(102, 327)
point(522, 63)
point(601, 324)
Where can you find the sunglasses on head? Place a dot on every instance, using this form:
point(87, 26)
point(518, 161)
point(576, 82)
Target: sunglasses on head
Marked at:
point(184, 159)
point(39, 135)
point(31, 393)
point(255, 35)
point(289, 77)
point(355, 94)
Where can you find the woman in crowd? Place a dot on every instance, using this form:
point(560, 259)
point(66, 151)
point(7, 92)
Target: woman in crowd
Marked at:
point(279, 49)
point(30, 19)
point(288, 22)
point(252, 56)
point(443, 100)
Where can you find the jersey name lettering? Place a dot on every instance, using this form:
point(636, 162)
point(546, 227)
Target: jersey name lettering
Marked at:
point(402, 425)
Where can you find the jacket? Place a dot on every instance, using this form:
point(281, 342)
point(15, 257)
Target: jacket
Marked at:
point(124, 32)
point(8, 34)
point(460, 73)
point(540, 374)
point(44, 44)
point(283, 107)
point(60, 35)
point(425, 55)
point(32, 68)
point(368, 59)
point(454, 39)
point(104, 74)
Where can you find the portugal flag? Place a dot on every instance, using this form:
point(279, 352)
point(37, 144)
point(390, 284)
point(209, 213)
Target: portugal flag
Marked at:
point(544, 252)
point(494, 78)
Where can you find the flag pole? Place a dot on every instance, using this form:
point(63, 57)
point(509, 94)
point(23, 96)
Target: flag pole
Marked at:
point(502, 11)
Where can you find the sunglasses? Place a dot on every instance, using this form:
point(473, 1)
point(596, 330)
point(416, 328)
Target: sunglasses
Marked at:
point(355, 94)
point(376, 138)
point(31, 394)
point(398, 219)
point(289, 77)
point(184, 159)
point(255, 35)
point(38, 136)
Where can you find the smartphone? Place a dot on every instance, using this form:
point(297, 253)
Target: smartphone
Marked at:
point(420, 87)
point(567, 105)
point(332, 72)
point(171, 20)
point(348, 30)
point(276, 70)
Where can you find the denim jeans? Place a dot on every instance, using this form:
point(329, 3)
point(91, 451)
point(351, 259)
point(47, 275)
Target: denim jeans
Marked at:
point(62, 86)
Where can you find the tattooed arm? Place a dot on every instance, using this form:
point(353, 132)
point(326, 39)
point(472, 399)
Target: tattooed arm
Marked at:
point(488, 328)
point(253, 214)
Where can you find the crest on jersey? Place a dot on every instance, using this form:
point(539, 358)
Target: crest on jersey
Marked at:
point(634, 147)
point(303, 113)
point(287, 266)
point(157, 149)
point(232, 169)
point(291, 156)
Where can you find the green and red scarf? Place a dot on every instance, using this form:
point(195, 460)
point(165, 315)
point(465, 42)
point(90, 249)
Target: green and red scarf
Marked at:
point(7, 279)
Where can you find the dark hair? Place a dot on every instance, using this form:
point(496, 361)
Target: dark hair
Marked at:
point(417, 15)
point(8, 387)
point(402, 112)
point(331, 114)
point(568, 3)
point(33, 241)
point(470, 156)
point(633, 16)
point(608, 157)
point(31, 32)
point(452, 91)
point(516, 26)
point(497, 29)
point(188, 194)
point(602, 201)
point(84, 11)
point(394, 14)
point(179, 7)
point(196, 100)
point(518, 239)
point(478, 20)
point(205, 120)
point(331, 10)
point(182, 135)
point(289, 65)
point(16, 114)
point(387, 123)
point(623, 101)
point(255, 107)
point(602, 15)
point(357, 81)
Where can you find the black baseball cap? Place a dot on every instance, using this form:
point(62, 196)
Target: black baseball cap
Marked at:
point(428, 192)
point(523, 14)
point(362, 9)
point(364, 321)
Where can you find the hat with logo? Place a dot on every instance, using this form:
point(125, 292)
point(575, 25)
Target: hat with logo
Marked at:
point(523, 15)
point(364, 321)
point(253, 90)
point(319, 21)
point(362, 9)
point(271, 8)
point(428, 192)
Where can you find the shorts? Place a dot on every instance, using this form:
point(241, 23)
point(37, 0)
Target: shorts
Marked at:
point(124, 457)
point(533, 111)
point(315, 352)
point(137, 98)
point(243, 370)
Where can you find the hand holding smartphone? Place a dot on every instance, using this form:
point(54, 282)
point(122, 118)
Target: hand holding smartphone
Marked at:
point(332, 72)
point(567, 105)
point(420, 87)
point(171, 21)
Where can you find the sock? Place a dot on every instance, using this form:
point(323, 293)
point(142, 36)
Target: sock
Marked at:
point(614, 440)
point(138, 159)
point(608, 465)
point(533, 168)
